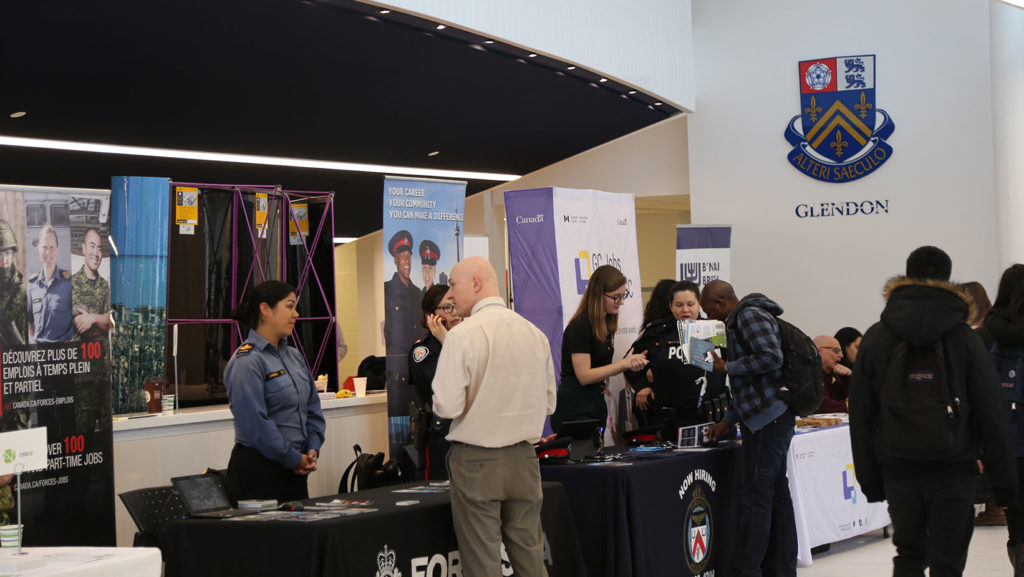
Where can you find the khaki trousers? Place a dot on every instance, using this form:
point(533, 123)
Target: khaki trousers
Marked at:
point(496, 497)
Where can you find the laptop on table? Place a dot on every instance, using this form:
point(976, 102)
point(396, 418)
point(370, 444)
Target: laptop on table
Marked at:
point(205, 498)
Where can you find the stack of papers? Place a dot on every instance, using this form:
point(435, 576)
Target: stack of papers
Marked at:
point(699, 339)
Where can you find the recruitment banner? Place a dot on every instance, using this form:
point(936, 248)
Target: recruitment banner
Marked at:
point(557, 237)
point(702, 253)
point(55, 359)
point(423, 234)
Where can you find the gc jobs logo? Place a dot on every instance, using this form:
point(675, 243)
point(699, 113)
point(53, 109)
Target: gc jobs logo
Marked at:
point(840, 133)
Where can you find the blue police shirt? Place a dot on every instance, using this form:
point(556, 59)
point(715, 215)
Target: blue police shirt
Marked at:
point(49, 307)
point(274, 401)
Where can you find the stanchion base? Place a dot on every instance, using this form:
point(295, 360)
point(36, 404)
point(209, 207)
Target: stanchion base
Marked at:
point(12, 562)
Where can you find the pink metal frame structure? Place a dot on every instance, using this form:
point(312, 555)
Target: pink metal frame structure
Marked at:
point(278, 198)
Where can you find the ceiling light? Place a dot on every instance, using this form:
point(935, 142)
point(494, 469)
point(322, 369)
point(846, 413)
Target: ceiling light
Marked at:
point(657, 104)
point(344, 239)
point(632, 92)
point(603, 80)
point(488, 41)
point(559, 72)
point(477, 47)
point(441, 26)
point(247, 158)
point(594, 84)
point(532, 56)
point(384, 12)
point(571, 68)
point(435, 153)
point(18, 114)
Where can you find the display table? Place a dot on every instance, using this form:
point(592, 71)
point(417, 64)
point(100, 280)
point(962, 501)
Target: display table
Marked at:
point(410, 533)
point(653, 514)
point(89, 561)
point(148, 451)
point(827, 500)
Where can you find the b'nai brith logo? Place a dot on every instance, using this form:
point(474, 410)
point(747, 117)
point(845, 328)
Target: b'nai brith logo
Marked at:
point(698, 521)
point(840, 134)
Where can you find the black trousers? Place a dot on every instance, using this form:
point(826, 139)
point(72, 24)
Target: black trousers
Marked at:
point(932, 524)
point(253, 476)
point(1015, 514)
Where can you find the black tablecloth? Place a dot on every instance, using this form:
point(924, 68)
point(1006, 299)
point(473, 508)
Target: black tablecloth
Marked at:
point(645, 514)
point(417, 539)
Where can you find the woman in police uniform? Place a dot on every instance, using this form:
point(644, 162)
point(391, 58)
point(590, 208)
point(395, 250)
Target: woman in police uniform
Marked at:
point(671, 383)
point(438, 316)
point(279, 427)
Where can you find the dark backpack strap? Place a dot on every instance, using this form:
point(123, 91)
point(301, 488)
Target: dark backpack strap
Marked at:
point(343, 486)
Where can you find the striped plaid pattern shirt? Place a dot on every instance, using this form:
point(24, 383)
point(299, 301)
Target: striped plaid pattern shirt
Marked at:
point(755, 362)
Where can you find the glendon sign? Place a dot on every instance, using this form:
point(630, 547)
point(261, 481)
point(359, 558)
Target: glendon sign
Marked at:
point(840, 133)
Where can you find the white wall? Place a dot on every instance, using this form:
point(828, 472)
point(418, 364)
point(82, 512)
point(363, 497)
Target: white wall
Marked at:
point(647, 44)
point(932, 76)
point(1008, 129)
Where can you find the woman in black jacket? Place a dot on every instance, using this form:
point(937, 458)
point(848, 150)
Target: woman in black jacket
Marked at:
point(1005, 322)
point(438, 316)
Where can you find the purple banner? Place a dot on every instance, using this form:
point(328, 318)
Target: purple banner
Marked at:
point(703, 237)
point(533, 263)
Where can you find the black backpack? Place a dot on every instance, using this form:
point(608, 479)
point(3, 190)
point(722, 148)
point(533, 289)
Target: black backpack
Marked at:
point(368, 472)
point(922, 405)
point(800, 384)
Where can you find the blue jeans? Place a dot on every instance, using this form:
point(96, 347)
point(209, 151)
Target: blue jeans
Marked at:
point(766, 526)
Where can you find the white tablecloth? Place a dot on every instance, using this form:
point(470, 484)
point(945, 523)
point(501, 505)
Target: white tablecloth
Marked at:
point(88, 561)
point(827, 500)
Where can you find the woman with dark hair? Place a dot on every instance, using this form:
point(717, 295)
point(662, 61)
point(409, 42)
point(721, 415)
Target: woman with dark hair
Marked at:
point(675, 389)
point(438, 316)
point(279, 427)
point(1005, 322)
point(587, 350)
point(849, 340)
point(658, 305)
point(980, 310)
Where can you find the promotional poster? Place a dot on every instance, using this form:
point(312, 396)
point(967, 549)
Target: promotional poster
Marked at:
point(423, 235)
point(55, 324)
point(702, 253)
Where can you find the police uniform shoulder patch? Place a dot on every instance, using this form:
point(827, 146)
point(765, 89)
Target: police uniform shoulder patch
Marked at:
point(420, 353)
point(244, 349)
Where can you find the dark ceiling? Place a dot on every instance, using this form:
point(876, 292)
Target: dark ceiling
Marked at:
point(326, 79)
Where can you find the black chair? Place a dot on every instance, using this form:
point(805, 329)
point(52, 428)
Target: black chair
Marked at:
point(153, 509)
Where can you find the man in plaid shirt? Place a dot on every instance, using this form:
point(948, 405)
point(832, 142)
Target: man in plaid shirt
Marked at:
point(766, 528)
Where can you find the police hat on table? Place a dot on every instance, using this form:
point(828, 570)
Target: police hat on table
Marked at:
point(929, 262)
point(401, 242)
point(429, 253)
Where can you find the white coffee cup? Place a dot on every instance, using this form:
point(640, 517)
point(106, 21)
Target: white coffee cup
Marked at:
point(9, 535)
point(360, 386)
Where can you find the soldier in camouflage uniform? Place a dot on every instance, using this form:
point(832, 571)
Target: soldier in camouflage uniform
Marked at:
point(13, 306)
point(90, 294)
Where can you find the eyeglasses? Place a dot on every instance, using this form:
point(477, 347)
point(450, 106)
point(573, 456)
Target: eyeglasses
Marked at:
point(617, 299)
point(8, 251)
point(448, 308)
point(835, 350)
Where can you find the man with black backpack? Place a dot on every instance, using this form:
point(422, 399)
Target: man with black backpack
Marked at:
point(925, 405)
point(766, 528)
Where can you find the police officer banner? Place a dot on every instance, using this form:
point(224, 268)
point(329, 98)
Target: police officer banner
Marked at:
point(557, 237)
point(702, 253)
point(423, 235)
point(54, 356)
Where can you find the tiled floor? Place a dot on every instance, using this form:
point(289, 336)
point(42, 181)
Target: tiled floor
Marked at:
point(870, 555)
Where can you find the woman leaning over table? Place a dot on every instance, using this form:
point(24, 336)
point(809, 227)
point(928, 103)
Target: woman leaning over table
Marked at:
point(587, 350)
point(279, 427)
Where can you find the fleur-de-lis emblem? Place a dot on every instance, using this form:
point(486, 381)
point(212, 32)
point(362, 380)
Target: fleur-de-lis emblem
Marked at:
point(863, 106)
point(839, 145)
point(814, 110)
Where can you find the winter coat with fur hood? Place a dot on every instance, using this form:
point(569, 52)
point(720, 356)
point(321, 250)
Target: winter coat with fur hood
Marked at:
point(921, 312)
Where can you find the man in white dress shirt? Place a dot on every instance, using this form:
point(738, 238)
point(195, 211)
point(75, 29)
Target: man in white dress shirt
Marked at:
point(495, 379)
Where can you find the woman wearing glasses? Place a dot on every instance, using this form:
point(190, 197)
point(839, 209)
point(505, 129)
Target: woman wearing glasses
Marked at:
point(587, 350)
point(438, 316)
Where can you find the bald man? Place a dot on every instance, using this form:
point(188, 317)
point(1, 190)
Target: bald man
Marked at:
point(496, 380)
point(835, 376)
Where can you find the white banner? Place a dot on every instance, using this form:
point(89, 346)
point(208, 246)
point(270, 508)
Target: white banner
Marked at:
point(594, 228)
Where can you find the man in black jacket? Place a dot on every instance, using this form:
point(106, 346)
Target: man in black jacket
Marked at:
point(930, 501)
